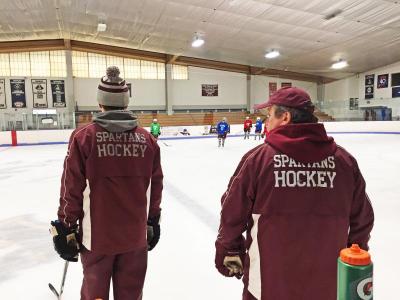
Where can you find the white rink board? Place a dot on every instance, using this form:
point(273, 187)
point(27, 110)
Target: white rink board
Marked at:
point(62, 136)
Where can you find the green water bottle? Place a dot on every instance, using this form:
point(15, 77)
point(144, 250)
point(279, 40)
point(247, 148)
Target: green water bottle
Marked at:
point(354, 280)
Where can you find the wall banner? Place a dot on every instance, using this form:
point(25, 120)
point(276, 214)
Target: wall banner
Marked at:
point(18, 99)
point(369, 92)
point(58, 93)
point(369, 86)
point(383, 81)
point(369, 79)
point(353, 103)
point(396, 92)
point(209, 90)
point(3, 103)
point(39, 92)
point(273, 87)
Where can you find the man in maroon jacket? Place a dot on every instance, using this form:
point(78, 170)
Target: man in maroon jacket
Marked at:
point(111, 185)
point(301, 199)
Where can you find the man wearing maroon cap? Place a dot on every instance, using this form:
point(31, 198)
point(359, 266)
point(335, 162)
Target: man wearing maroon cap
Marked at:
point(300, 198)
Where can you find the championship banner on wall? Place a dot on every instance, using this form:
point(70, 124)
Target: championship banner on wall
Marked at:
point(396, 92)
point(39, 92)
point(286, 84)
point(369, 86)
point(58, 93)
point(369, 92)
point(18, 99)
point(3, 103)
point(209, 90)
point(273, 87)
point(353, 103)
point(369, 79)
point(383, 81)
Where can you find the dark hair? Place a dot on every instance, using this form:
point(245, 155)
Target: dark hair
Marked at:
point(297, 115)
point(107, 108)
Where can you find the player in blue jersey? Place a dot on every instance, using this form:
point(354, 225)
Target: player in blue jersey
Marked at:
point(258, 130)
point(222, 130)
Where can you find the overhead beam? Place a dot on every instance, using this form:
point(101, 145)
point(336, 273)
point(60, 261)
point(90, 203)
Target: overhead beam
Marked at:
point(59, 44)
point(212, 64)
point(22, 46)
point(171, 58)
point(67, 44)
point(290, 75)
point(258, 71)
point(114, 50)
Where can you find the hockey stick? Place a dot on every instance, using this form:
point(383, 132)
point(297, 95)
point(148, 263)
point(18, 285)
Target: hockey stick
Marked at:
point(52, 288)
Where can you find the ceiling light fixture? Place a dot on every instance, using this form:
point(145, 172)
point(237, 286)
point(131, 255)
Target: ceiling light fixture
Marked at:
point(272, 54)
point(101, 27)
point(340, 64)
point(333, 14)
point(197, 41)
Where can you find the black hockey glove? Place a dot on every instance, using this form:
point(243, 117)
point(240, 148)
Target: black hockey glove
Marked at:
point(65, 240)
point(153, 232)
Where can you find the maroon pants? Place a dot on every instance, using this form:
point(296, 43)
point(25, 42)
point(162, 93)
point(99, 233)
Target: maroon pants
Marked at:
point(127, 271)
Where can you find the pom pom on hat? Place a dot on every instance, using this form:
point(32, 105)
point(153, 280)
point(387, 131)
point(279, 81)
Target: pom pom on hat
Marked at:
point(112, 74)
point(112, 90)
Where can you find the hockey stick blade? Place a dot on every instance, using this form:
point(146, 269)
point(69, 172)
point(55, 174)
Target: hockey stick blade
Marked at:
point(52, 288)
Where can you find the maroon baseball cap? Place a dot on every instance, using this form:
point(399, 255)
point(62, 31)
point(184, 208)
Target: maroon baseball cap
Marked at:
point(290, 97)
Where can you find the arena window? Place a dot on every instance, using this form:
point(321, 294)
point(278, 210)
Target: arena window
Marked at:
point(58, 66)
point(80, 66)
point(148, 69)
point(40, 63)
point(4, 64)
point(180, 72)
point(132, 68)
point(97, 65)
point(20, 64)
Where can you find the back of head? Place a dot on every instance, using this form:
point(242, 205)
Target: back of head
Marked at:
point(112, 92)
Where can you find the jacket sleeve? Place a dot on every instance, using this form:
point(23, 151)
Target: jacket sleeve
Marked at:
point(73, 183)
point(362, 214)
point(237, 204)
point(156, 185)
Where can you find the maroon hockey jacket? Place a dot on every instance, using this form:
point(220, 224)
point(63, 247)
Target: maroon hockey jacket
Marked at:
point(111, 183)
point(301, 199)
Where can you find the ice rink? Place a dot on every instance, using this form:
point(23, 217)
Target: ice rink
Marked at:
point(181, 267)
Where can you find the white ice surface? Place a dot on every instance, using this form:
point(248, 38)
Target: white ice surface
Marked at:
point(182, 265)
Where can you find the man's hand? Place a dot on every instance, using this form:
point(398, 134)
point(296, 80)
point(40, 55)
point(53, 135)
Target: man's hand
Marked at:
point(234, 265)
point(229, 262)
point(153, 232)
point(65, 240)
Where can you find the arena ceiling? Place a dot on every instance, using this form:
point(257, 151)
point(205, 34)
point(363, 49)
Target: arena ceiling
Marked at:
point(310, 34)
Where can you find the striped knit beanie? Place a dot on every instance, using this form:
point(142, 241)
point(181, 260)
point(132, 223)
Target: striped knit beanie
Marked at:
point(112, 90)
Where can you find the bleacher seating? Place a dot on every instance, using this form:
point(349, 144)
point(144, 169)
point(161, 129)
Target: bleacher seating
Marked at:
point(196, 118)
